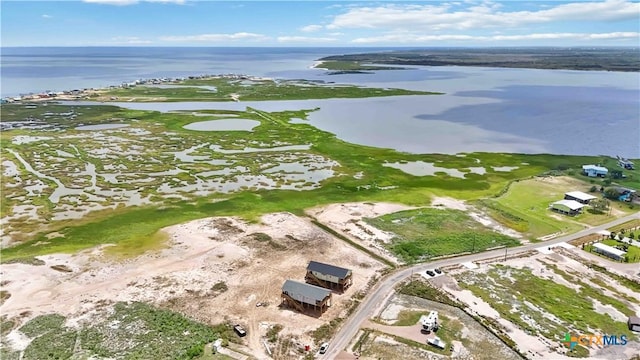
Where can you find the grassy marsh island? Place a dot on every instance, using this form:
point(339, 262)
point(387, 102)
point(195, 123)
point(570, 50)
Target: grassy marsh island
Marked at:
point(603, 59)
point(243, 88)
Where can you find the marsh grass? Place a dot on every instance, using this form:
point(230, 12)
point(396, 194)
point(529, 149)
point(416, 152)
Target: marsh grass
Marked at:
point(506, 289)
point(425, 233)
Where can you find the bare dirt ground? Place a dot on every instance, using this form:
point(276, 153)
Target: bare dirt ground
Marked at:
point(347, 219)
point(538, 347)
point(181, 277)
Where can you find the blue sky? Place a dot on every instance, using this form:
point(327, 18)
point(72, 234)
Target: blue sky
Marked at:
point(320, 23)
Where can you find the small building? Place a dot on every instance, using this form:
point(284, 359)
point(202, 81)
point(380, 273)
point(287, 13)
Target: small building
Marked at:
point(429, 322)
point(567, 207)
point(303, 296)
point(595, 170)
point(609, 251)
point(634, 323)
point(579, 196)
point(328, 276)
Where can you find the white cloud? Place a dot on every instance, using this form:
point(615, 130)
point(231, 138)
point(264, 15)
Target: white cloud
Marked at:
point(131, 2)
point(311, 28)
point(486, 14)
point(216, 37)
point(407, 38)
point(305, 39)
point(130, 40)
point(45, 16)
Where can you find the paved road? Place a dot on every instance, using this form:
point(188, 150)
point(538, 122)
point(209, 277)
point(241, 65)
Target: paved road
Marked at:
point(384, 289)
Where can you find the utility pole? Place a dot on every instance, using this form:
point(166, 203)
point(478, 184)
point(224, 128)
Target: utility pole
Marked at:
point(505, 254)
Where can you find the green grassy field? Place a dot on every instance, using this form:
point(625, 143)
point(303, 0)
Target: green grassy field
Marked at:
point(525, 207)
point(426, 233)
point(246, 90)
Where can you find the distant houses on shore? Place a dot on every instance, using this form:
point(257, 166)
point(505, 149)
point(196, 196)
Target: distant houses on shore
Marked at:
point(78, 94)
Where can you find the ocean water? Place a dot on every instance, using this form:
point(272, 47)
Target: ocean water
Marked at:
point(483, 109)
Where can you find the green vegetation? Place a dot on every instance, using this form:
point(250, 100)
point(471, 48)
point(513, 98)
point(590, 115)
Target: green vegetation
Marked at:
point(134, 229)
point(629, 225)
point(424, 290)
point(578, 351)
point(408, 318)
point(325, 331)
point(540, 58)
point(4, 295)
point(132, 331)
point(525, 206)
point(229, 89)
point(272, 333)
point(507, 289)
point(426, 233)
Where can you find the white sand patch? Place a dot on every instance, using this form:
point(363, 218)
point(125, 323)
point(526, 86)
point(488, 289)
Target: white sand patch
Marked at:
point(386, 340)
point(391, 312)
point(449, 203)
point(490, 223)
point(17, 340)
point(609, 310)
point(469, 265)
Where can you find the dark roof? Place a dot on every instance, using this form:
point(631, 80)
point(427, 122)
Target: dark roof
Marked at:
point(305, 293)
point(327, 269)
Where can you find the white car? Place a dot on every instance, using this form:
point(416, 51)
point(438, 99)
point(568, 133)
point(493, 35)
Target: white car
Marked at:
point(323, 348)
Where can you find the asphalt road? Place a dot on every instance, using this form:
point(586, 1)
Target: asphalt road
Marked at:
point(384, 289)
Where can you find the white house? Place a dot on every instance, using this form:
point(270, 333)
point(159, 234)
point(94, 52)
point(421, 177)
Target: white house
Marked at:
point(579, 196)
point(595, 170)
point(609, 251)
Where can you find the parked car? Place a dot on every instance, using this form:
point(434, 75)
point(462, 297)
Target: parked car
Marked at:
point(323, 348)
point(438, 271)
point(239, 330)
point(431, 273)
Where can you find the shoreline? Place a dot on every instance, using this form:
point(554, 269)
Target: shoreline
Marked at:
point(85, 93)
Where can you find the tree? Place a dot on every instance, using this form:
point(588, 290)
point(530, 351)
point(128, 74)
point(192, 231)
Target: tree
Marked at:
point(632, 235)
point(611, 193)
point(593, 189)
point(616, 174)
point(599, 206)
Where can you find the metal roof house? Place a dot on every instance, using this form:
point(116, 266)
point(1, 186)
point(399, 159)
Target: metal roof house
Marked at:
point(303, 296)
point(634, 323)
point(609, 251)
point(595, 170)
point(579, 196)
point(328, 276)
point(567, 207)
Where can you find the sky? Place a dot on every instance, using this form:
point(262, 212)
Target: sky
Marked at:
point(319, 23)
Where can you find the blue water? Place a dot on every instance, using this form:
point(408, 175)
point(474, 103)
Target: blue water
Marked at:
point(484, 109)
